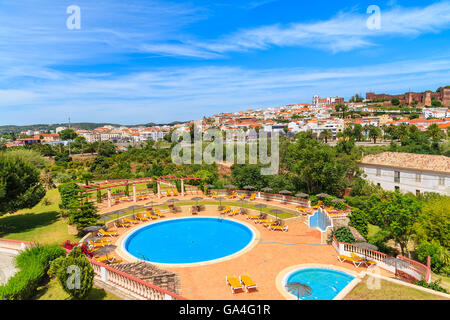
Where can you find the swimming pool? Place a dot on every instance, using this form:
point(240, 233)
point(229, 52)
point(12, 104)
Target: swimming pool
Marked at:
point(325, 283)
point(188, 240)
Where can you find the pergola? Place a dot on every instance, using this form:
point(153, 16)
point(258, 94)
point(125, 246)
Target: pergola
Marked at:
point(119, 183)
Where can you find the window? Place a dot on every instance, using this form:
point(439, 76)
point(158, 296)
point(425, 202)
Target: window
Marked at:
point(378, 172)
point(397, 176)
point(442, 181)
point(418, 177)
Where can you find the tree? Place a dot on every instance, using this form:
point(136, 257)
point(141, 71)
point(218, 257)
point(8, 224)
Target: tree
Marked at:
point(74, 272)
point(67, 134)
point(434, 132)
point(374, 133)
point(433, 223)
point(395, 213)
point(31, 156)
point(326, 134)
point(356, 132)
point(20, 185)
point(395, 102)
point(83, 213)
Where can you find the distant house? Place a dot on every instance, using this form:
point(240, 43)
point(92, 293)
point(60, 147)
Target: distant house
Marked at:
point(407, 172)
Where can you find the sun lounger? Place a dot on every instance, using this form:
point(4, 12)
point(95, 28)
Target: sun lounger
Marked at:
point(141, 217)
point(159, 213)
point(362, 259)
point(252, 196)
point(119, 224)
point(247, 282)
point(168, 193)
point(193, 209)
point(343, 258)
point(132, 221)
point(175, 192)
point(253, 216)
point(150, 215)
point(241, 197)
point(92, 244)
point(234, 212)
point(226, 210)
point(214, 195)
point(103, 233)
point(234, 283)
point(233, 195)
point(279, 228)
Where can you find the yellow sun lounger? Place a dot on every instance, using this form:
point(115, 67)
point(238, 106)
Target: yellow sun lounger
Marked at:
point(279, 228)
point(102, 233)
point(343, 258)
point(175, 192)
point(92, 244)
point(241, 197)
point(253, 216)
point(132, 221)
point(226, 210)
point(233, 195)
point(168, 192)
point(234, 283)
point(234, 212)
point(141, 217)
point(252, 196)
point(151, 216)
point(214, 195)
point(361, 259)
point(119, 224)
point(269, 224)
point(248, 282)
point(159, 213)
point(107, 260)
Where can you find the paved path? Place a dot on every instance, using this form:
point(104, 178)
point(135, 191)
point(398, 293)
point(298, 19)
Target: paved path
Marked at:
point(7, 269)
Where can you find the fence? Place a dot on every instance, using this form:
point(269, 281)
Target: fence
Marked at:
point(415, 269)
point(269, 196)
point(133, 286)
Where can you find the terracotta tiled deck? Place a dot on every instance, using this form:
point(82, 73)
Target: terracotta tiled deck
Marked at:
point(273, 252)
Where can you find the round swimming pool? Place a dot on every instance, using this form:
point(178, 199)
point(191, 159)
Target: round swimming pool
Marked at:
point(325, 283)
point(188, 240)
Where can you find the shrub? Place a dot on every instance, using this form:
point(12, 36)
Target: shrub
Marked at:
point(434, 250)
point(33, 264)
point(74, 272)
point(359, 220)
point(436, 285)
point(343, 234)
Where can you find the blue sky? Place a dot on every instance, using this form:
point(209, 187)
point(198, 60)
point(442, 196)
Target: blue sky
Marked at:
point(140, 61)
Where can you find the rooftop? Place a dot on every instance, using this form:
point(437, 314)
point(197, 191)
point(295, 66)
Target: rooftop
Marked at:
point(413, 161)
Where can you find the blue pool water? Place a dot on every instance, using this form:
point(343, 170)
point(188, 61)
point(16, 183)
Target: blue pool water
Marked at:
point(188, 240)
point(325, 283)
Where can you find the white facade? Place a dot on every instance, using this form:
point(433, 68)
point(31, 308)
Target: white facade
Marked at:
point(407, 180)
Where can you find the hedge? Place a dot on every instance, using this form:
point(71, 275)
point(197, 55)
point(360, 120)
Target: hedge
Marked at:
point(33, 264)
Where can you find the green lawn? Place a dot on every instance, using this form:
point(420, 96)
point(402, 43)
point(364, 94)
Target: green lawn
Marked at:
point(41, 224)
point(53, 291)
point(389, 291)
point(286, 214)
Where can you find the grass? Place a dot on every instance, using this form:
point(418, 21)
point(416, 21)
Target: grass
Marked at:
point(41, 224)
point(53, 291)
point(286, 214)
point(389, 291)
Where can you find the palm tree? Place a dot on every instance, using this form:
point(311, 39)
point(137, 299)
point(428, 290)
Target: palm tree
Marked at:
point(326, 134)
point(374, 133)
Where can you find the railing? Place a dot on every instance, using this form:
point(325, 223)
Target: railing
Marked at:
point(133, 286)
point(413, 268)
point(268, 196)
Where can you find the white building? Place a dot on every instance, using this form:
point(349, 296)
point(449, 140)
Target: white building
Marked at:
point(438, 113)
point(407, 172)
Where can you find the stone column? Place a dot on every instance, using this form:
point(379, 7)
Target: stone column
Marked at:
point(109, 197)
point(182, 187)
point(134, 192)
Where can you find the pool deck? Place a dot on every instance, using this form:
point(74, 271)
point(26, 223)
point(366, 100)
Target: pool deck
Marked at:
point(274, 252)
